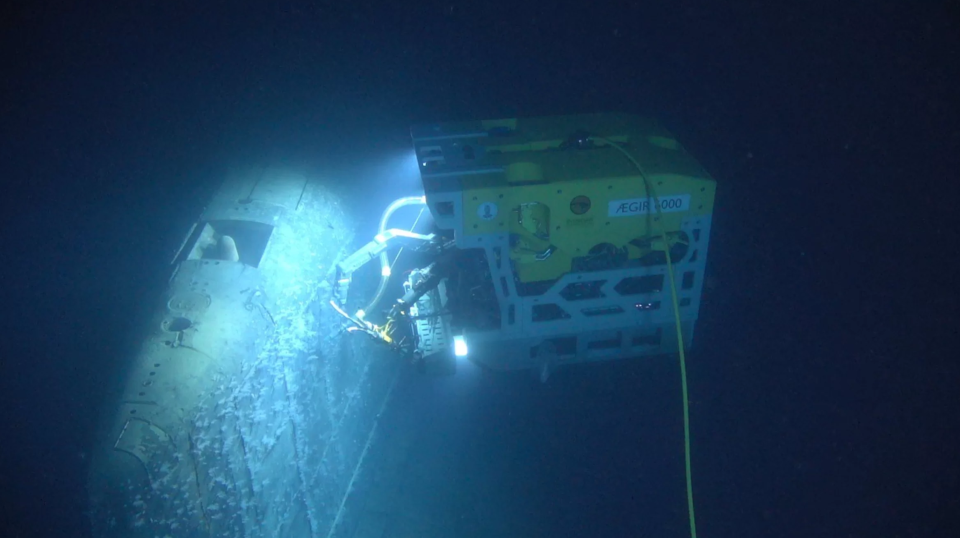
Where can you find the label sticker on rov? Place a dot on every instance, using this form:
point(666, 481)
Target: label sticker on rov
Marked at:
point(642, 206)
point(487, 210)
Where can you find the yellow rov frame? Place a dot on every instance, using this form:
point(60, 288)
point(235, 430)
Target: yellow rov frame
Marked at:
point(563, 212)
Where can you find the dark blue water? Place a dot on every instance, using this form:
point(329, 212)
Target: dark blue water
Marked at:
point(824, 379)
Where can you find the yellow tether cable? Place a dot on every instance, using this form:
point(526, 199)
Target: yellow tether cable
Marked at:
point(676, 317)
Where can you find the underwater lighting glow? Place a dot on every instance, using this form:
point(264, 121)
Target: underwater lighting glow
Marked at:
point(459, 346)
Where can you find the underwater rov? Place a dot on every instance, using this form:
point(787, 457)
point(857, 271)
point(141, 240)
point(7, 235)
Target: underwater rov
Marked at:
point(550, 246)
point(246, 414)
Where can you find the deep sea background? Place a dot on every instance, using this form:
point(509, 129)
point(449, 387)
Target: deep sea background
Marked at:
point(825, 379)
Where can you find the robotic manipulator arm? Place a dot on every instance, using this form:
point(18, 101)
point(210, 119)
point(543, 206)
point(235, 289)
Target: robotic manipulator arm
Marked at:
point(433, 273)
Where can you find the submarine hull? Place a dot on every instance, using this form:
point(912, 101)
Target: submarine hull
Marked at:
point(244, 413)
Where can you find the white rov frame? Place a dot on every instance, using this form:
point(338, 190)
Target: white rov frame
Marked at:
point(610, 326)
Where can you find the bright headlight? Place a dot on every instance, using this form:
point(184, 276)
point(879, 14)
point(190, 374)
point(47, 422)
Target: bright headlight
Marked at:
point(459, 346)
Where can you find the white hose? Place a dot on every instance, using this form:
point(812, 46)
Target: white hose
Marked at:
point(384, 260)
